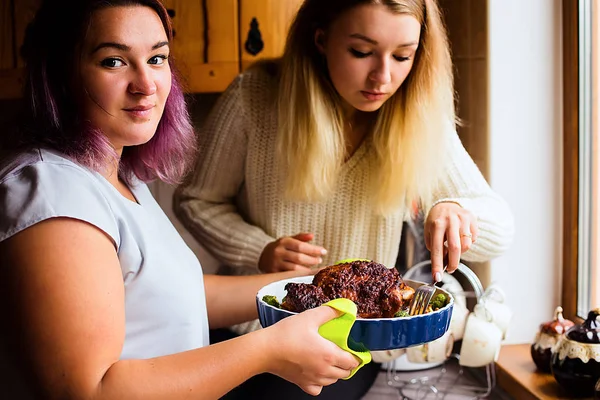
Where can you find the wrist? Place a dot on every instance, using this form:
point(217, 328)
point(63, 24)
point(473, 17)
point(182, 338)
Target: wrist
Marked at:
point(265, 353)
point(264, 260)
point(451, 201)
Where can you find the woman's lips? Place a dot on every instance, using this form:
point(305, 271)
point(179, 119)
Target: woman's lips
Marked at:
point(373, 96)
point(140, 112)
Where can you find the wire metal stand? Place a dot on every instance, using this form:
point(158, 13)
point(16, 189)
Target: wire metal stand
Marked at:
point(451, 380)
point(447, 381)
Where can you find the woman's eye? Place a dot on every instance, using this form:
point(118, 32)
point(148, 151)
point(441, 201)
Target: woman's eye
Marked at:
point(401, 59)
point(359, 54)
point(158, 60)
point(112, 63)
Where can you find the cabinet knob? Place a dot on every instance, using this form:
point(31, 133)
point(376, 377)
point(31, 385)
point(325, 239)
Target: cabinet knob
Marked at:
point(254, 43)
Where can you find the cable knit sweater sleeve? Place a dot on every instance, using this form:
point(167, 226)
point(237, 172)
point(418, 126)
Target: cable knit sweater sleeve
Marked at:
point(465, 185)
point(205, 204)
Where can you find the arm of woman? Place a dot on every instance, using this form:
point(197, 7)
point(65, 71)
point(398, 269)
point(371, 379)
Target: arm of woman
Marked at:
point(230, 300)
point(70, 327)
point(205, 204)
point(465, 205)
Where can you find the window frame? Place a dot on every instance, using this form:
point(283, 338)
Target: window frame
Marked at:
point(570, 158)
point(580, 108)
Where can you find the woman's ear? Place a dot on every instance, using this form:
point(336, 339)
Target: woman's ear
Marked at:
point(320, 40)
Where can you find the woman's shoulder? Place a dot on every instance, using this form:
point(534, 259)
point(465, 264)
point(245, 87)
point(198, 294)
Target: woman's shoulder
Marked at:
point(260, 81)
point(264, 72)
point(252, 94)
point(38, 159)
point(40, 184)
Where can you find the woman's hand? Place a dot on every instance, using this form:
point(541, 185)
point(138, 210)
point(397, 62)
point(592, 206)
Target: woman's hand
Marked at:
point(291, 253)
point(302, 356)
point(450, 230)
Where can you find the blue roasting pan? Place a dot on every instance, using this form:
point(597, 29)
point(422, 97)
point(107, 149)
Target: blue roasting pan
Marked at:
point(369, 333)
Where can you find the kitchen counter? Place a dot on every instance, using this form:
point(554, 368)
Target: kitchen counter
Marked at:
point(518, 375)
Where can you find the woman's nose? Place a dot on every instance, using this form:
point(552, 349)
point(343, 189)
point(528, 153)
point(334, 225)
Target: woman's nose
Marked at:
point(381, 73)
point(142, 82)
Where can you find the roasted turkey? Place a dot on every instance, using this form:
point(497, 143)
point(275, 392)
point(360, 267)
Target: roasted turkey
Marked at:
point(377, 291)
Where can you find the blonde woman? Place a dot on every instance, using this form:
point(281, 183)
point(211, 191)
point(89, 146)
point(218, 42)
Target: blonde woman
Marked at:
point(320, 156)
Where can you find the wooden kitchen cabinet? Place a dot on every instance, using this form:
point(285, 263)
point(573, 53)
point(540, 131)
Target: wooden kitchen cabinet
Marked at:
point(206, 44)
point(14, 17)
point(6, 28)
point(214, 39)
point(264, 26)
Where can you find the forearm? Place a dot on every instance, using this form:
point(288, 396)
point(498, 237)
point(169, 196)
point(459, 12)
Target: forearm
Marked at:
point(232, 299)
point(465, 185)
point(495, 225)
point(205, 373)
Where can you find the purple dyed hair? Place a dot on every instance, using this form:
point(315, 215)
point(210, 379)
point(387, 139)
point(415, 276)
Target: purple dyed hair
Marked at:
point(53, 119)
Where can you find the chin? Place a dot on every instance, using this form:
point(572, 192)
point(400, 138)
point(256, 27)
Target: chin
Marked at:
point(371, 107)
point(144, 140)
point(137, 140)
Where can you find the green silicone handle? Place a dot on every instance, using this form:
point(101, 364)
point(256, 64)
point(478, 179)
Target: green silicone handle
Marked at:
point(337, 330)
point(348, 260)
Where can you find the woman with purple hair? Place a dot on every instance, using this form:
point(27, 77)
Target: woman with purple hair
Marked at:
point(103, 298)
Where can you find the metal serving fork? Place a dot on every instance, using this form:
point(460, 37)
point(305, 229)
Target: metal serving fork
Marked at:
point(422, 297)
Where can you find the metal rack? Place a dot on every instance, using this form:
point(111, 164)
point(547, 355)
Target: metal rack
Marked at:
point(443, 384)
point(452, 379)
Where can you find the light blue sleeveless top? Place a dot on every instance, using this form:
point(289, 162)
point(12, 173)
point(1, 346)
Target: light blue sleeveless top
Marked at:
point(165, 305)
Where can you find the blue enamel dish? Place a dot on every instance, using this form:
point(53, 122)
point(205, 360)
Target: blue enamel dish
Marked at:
point(374, 333)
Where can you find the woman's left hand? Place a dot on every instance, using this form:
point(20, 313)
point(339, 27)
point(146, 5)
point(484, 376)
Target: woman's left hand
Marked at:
point(450, 230)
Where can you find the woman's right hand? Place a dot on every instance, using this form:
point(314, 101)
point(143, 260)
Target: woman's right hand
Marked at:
point(299, 354)
point(291, 253)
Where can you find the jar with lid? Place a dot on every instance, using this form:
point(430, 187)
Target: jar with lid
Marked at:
point(576, 357)
point(547, 337)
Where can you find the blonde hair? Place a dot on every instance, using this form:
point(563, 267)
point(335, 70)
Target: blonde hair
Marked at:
point(407, 137)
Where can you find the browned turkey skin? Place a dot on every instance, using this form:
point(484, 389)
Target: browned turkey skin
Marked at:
point(378, 292)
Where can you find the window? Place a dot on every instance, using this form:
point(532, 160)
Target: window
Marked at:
point(581, 277)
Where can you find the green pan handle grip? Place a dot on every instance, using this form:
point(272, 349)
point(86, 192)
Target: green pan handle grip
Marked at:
point(349, 260)
point(337, 330)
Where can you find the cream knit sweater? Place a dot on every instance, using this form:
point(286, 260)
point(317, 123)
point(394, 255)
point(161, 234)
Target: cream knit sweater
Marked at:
point(233, 202)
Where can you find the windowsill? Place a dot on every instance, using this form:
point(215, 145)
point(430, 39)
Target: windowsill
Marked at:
point(518, 376)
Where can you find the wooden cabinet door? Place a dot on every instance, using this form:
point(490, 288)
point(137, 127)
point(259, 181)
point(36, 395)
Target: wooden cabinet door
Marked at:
point(264, 26)
point(7, 55)
point(14, 18)
point(205, 47)
point(24, 13)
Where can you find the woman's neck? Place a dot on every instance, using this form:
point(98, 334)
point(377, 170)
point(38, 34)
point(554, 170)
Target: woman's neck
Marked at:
point(355, 131)
point(111, 174)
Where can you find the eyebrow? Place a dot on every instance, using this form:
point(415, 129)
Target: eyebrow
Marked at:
point(124, 47)
point(373, 41)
